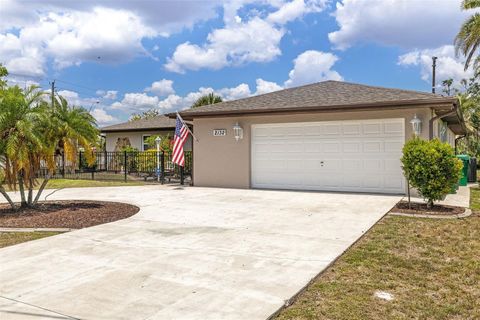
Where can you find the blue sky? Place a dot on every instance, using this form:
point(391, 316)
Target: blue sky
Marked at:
point(121, 57)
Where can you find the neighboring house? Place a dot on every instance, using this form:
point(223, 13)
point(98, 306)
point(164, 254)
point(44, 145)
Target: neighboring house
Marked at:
point(331, 135)
point(136, 132)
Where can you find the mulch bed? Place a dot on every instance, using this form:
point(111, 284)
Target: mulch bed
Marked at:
point(421, 208)
point(65, 214)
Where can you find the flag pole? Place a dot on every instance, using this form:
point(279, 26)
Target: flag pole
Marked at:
point(181, 119)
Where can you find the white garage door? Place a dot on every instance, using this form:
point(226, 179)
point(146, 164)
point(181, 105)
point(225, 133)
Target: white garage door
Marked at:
point(360, 155)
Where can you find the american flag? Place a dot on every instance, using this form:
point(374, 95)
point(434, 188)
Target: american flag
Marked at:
point(181, 134)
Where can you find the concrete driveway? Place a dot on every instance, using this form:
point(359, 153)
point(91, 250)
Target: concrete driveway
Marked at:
point(193, 253)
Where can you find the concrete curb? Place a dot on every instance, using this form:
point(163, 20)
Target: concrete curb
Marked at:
point(36, 229)
point(465, 214)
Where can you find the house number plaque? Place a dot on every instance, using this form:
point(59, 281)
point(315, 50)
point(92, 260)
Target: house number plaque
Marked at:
point(219, 132)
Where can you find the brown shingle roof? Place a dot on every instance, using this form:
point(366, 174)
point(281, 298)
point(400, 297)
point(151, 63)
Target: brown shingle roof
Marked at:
point(155, 123)
point(325, 95)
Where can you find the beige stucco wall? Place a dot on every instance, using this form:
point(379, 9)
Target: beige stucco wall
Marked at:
point(224, 162)
point(136, 138)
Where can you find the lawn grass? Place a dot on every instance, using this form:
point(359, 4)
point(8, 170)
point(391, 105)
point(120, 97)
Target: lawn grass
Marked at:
point(11, 238)
point(432, 267)
point(74, 183)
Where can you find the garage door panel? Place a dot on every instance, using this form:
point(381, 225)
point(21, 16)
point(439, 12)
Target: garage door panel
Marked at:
point(352, 146)
point(353, 182)
point(352, 129)
point(394, 128)
point(331, 129)
point(352, 165)
point(337, 156)
point(331, 147)
point(374, 129)
point(393, 146)
point(392, 165)
point(373, 147)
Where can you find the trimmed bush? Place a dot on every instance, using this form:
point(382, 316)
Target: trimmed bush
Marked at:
point(431, 167)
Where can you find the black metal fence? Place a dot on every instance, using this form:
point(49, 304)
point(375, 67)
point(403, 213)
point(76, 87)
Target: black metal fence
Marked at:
point(123, 165)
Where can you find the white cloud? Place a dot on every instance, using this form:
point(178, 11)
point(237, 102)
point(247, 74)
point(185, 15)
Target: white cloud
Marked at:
point(312, 66)
point(165, 17)
point(110, 95)
point(102, 117)
point(254, 41)
point(242, 40)
point(72, 32)
point(266, 86)
point(161, 88)
point(448, 66)
point(174, 102)
point(293, 10)
point(135, 102)
point(238, 92)
point(21, 58)
point(404, 23)
point(103, 35)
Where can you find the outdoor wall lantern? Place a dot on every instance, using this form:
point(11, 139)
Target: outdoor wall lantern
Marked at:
point(237, 131)
point(416, 125)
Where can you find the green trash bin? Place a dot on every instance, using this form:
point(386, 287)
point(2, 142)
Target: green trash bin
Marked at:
point(464, 177)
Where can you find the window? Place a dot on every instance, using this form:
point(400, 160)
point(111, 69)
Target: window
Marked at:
point(145, 145)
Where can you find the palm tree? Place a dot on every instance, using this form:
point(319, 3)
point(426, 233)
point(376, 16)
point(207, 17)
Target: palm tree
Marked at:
point(33, 131)
point(207, 99)
point(467, 40)
point(21, 143)
point(66, 129)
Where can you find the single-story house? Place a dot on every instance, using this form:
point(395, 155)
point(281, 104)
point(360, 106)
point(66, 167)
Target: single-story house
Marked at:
point(136, 132)
point(332, 135)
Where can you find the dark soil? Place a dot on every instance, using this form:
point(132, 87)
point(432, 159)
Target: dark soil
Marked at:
point(65, 214)
point(421, 208)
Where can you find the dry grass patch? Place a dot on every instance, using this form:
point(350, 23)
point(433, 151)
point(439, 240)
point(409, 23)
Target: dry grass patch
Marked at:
point(11, 238)
point(431, 267)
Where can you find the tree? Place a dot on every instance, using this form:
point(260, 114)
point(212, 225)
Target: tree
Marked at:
point(32, 132)
point(65, 131)
point(467, 40)
point(165, 144)
point(21, 143)
point(431, 167)
point(447, 86)
point(152, 113)
point(207, 99)
point(469, 102)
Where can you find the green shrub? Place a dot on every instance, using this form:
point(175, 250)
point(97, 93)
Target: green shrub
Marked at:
point(431, 167)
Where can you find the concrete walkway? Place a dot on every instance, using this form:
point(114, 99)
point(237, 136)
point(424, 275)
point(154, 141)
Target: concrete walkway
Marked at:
point(194, 253)
point(459, 199)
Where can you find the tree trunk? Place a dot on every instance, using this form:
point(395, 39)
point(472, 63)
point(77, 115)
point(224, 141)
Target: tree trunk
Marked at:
point(429, 204)
point(21, 188)
point(30, 192)
point(40, 190)
point(6, 196)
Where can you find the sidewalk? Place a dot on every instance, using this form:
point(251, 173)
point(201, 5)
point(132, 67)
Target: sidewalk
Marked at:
point(459, 199)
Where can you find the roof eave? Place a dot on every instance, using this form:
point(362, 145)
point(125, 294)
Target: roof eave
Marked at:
point(105, 130)
point(337, 108)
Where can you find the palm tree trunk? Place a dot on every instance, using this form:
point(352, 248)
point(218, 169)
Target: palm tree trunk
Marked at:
point(7, 197)
point(21, 188)
point(30, 191)
point(40, 190)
